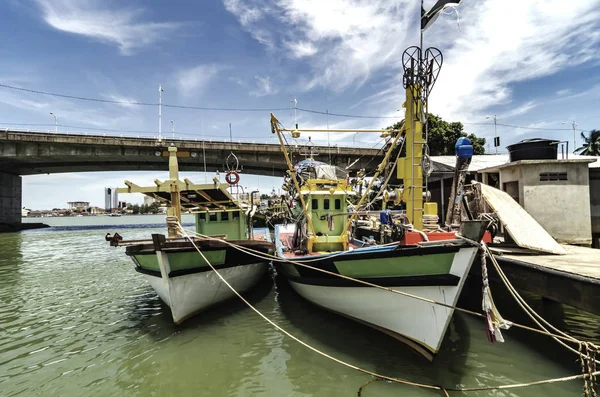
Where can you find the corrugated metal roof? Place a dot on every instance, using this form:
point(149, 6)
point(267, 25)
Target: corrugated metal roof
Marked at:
point(480, 162)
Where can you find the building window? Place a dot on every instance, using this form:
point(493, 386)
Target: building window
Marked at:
point(326, 204)
point(236, 214)
point(202, 216)
point(338, 204)
point(315, 204)
point(213, 217)
point(553, 176)
point(224, 216)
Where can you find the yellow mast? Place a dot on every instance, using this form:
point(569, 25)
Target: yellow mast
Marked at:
point(409, 167)
point(292, 171)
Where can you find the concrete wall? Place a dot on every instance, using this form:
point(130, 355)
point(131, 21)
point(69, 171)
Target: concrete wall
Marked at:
point(595, 203)
point(560, 207)
point(10, 202)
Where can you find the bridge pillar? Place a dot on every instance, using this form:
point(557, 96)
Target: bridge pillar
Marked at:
point(10, 202)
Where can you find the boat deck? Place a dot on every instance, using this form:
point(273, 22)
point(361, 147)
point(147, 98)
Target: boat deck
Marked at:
point(573, 279)
point(286, 240)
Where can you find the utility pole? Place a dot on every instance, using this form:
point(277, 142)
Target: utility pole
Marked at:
point(160, 90)
point(574, 124)
point(496, 140)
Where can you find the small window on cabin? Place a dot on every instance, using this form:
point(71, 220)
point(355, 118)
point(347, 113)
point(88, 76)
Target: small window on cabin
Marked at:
point(213, 217)
point(202, 216)
point(315, 204)
point(553, 176)
point(326, 204)
point(224, 216)
point(235, 214)
point(338, 204)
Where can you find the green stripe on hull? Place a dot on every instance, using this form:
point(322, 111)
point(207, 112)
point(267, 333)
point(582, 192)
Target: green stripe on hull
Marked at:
point(183, 260)
point(416, 265)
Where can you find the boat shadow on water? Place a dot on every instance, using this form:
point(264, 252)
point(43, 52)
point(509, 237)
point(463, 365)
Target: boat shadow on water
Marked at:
point(154, 316)
point(369, 348)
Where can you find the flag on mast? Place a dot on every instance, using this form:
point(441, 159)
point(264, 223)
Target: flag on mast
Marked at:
point(429, 17)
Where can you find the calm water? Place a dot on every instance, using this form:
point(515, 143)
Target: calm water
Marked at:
point(76, 319)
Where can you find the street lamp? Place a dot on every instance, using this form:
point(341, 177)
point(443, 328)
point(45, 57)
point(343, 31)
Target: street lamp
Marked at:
point(55, 122)
point(173, 128)
point(496, 139)
point(574, 124)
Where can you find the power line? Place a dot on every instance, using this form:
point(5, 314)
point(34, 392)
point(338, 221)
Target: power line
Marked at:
point(326, 113)
point(354, 116)
point(81, 98)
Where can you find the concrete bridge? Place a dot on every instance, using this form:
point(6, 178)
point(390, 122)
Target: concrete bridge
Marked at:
point(28, 153)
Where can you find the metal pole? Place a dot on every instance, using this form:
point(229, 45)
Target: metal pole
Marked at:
point(55, 122)
point(328, 142)
point(295, 112)
point(203, 149)
point(160, 90)
point(173, 129)
point(495, 131)
point(574, 136)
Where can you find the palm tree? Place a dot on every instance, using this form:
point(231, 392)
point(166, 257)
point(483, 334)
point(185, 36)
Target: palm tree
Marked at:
point(591, 144)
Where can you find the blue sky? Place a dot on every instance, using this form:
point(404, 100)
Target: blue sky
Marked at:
point(532, 63)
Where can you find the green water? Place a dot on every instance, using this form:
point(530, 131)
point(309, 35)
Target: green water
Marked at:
point(77, 320)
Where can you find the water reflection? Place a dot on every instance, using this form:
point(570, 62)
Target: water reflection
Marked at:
point(76, 319)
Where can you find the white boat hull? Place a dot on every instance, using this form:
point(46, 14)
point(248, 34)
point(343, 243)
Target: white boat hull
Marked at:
point(189, 294)
point(420, 324)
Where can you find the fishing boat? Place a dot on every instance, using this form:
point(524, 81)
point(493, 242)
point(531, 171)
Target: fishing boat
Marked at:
point(325, 262)
point(181, 268)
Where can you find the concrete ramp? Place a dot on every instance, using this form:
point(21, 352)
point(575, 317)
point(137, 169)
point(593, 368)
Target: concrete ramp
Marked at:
point(521, 226)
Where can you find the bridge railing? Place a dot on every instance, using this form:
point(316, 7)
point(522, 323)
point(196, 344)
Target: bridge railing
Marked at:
point(270, 139)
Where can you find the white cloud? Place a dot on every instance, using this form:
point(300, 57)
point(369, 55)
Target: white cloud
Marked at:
point(125, 102)
point(301, 49)
point(264, 87)
point(248, 15)
point(498, 47)
point(345, 40)
point(91, 18)
point(564, 92)
point(194, 80)
point(500, 43)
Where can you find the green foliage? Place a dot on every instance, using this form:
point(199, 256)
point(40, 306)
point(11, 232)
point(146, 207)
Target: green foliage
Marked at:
point(442, 136)
point(591, 144)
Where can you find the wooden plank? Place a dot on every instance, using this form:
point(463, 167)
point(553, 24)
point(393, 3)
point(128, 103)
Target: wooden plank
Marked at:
point(521, 226)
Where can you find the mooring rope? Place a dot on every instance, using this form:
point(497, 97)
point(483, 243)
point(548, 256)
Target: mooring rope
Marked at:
point(587, 377)
point(531, 313)
point(270, 257)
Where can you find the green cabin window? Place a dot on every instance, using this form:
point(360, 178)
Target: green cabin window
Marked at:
point(202, 216)
point(326, 204)
point(236, 214)
point(338, 204)
point(224, 216)
point(213, 217)
point(315, 204)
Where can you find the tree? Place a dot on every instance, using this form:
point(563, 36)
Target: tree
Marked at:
point(591, 144)
point(135, 209)
point(442, 136)
point(153, 207)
